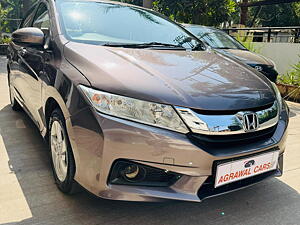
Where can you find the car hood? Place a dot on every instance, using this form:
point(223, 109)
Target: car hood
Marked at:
point(246, 56)
point(196, 79)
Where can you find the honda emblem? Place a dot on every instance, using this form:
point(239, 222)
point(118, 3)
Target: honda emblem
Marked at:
point(259, 68)
point(251, 122)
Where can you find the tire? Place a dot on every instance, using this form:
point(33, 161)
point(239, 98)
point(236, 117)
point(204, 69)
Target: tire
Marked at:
point(61, 154)
point(13, 102)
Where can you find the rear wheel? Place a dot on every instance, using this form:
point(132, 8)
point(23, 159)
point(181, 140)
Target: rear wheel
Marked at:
point(62, 159)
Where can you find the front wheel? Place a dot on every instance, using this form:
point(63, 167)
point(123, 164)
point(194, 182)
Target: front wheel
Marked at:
point(62, 159)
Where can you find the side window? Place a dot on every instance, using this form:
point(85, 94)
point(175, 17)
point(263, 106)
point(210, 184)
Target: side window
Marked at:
point(27, 21)
point(41, 19)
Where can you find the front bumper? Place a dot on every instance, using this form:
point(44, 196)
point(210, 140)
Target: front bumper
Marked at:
point(99, 140)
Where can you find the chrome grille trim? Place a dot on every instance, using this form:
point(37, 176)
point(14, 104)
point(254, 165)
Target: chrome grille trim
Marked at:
point(228, 124)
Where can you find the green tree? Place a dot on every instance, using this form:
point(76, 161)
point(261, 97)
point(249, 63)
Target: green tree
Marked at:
point(3, 22)
point(205, 12)
point(287, 14)
point(12, 11)
point(134, 2)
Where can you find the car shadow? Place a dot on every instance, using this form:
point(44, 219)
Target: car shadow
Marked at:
point(294, 111)
point(270, 202)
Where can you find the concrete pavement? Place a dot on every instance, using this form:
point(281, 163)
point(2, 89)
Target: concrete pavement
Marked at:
point(28, 194)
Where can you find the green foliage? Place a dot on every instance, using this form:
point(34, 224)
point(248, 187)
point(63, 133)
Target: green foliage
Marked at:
point(5, 40)
point(205, 12)
point(287, 14)
point(4, 11)
point(248, 43)
point(13, 9)
point(3, 14)
point(251, 46)
point(292, 77)
point(296, 7)
point(134, 2)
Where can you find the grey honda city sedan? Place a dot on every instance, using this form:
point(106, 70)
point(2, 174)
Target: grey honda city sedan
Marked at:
point(225, 44)
point(134, 107)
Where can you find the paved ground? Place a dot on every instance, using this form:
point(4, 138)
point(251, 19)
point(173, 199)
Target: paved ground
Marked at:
point(28, 194)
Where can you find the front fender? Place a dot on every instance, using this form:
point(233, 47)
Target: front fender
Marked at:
point(59, 87)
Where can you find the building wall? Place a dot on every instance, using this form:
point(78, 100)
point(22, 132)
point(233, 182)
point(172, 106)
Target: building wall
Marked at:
point(283, 54)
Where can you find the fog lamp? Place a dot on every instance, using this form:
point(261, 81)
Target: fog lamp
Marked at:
point(133, 173)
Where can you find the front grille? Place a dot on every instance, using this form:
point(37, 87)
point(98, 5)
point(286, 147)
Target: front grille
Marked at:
point(208, 190)
point(211, 143)
point(236, 138)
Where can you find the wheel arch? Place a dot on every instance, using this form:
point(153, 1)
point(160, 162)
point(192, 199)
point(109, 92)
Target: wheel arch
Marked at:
point(51, 104)
point(53, 100)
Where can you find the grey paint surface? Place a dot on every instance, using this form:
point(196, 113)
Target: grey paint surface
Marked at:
point(197, 79)
point(203, 80)
point(29, 196)
point(247, 57)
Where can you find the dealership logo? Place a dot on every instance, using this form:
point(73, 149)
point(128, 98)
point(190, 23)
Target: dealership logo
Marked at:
point(251, 122)
point(258, 68)
point(249, 163)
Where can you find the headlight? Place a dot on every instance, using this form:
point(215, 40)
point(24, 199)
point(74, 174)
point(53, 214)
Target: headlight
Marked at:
point(150, 113)
point(278, 95)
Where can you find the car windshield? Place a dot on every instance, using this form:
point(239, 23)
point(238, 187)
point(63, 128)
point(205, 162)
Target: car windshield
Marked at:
point(121, 25)
point(215, 38)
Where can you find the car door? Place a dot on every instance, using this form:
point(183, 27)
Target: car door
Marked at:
point(32, 67)
point(15, 60)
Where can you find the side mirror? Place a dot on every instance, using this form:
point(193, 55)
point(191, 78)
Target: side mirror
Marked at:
point(29, 36)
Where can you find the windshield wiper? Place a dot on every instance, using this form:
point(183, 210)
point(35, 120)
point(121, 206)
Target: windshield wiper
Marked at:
point(144, 45)
point(225, 48)
point(231, 48)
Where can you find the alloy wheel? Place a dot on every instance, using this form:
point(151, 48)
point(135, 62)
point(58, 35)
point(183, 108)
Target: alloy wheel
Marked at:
point(59, 151)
